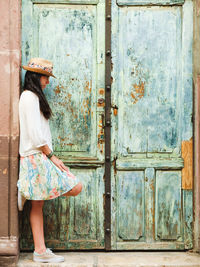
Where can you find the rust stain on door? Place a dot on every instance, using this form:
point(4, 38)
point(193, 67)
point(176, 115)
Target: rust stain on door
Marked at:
point(137, 91)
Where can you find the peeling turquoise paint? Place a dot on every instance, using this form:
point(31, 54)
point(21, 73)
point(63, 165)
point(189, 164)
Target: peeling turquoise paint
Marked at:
point(152, 88)
point(168, 214)
point(188, 218)
point(130, 194)
point(72, 48)
point(71, 34)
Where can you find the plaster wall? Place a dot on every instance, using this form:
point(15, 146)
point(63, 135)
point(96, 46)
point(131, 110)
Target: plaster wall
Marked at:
point(196, 46)
point(9, 129)
point(196, 79)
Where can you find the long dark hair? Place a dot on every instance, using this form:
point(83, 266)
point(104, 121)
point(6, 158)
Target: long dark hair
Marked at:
point(32, 83)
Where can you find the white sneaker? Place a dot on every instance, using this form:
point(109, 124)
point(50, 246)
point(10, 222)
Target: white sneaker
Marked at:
point(21, 201)
point(48, 256)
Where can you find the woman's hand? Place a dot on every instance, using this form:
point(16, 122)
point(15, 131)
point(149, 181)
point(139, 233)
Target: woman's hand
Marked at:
point(46, 150)
point(58, 163)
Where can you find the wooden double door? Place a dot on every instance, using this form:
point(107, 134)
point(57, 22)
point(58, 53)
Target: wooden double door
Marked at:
point(151, 120)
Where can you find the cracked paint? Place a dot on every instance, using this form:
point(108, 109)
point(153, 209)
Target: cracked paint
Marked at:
point(100, 136)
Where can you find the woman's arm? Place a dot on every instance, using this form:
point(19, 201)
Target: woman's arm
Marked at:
point(46, 150)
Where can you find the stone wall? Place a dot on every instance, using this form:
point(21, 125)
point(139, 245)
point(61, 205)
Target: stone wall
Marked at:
point(9, 129)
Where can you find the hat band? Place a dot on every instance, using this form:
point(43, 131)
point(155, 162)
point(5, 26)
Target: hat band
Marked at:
point(34, 65)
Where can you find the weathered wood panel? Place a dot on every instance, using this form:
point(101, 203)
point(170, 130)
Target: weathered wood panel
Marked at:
point(168, 219)
point(152, 90)
point(149, 2)
point(150, 70)
point(130, 198)
point(188, 218)
point(88, 2)
point(142, 163)
point(70, 34)
point(150, 205)
point(187, 71)
point(73, 96)
point(75, 222)
point(84, 208)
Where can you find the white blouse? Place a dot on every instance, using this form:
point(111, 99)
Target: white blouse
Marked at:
point(34, 128)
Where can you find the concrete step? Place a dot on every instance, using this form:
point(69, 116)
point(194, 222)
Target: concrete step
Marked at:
point(118, 259)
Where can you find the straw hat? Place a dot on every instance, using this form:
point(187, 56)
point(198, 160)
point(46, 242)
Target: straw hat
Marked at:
point(40, 65)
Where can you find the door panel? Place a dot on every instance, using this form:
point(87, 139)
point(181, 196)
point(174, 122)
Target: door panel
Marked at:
point(88, 2)
point(150, 85)
point(73, 48)
point(148, 2)
point(168, 206)
point(130, 194)
point(84, 208)
point(152, 90)
point(69, 34)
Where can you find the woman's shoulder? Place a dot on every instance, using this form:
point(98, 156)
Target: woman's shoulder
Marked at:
point(28, 98)
point(28, 95)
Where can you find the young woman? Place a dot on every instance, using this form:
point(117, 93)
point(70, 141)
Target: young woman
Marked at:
point(42, 175)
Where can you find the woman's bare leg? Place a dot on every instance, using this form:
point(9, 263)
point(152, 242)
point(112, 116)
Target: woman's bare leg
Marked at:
point(75, 191)
point(36, 220)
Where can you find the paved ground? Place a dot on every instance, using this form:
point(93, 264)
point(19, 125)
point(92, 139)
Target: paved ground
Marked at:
point(118, 259)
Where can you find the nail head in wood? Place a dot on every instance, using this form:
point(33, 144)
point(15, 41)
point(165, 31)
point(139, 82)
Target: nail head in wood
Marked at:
point(108, 53)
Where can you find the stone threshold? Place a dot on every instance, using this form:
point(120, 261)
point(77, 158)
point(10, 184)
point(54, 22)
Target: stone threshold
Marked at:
point(117, 259)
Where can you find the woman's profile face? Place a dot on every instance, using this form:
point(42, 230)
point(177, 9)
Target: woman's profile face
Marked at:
point(44, 80)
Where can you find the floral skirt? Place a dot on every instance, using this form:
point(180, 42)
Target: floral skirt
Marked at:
point(41, 179)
